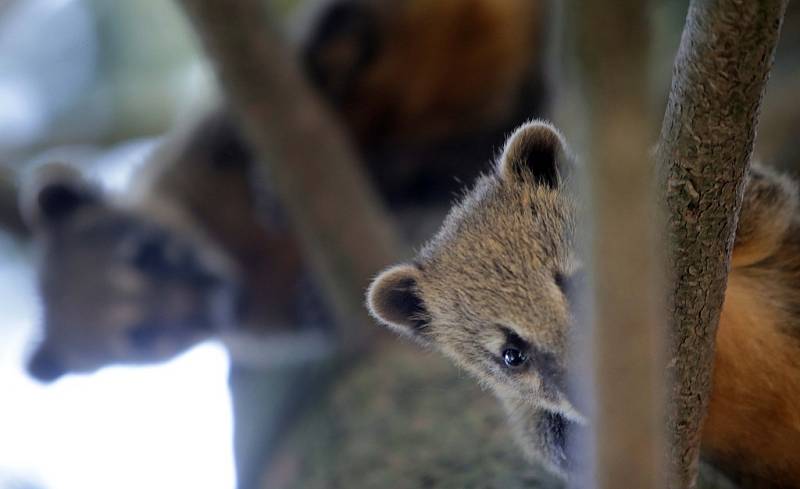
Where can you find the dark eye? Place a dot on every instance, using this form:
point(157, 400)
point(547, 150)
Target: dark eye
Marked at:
point(514, 357)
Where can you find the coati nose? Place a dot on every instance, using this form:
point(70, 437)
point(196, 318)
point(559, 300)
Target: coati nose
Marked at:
point(45, 367)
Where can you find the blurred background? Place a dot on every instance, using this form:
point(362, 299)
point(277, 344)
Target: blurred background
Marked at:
point(425, 92)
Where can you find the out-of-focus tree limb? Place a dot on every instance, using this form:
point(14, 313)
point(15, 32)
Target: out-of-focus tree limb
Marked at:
point(706, 142)
point(338, 217)
point(612, 47)
point(10, 217)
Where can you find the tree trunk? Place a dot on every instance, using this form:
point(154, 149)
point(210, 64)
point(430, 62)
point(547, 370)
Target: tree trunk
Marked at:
point(10, 217)
point(339, 219)
point(612, 48)
point(705, 145)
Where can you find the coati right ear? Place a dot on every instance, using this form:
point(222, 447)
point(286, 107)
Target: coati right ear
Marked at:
point(394, 299)
point(53, 193)
point(536, 152)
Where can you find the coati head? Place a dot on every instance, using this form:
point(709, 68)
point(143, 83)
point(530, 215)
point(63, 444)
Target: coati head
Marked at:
point(117, 285)
point(491, 290)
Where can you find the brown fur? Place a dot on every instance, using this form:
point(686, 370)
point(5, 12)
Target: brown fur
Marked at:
point(753, 426)
point(501, 270)
point(426, 69)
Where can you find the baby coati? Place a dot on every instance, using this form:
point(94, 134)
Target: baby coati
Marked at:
point(491, 291)
point(186, 253)
point(387, 68)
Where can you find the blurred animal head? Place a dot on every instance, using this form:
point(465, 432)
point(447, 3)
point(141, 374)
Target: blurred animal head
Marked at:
point(492, 290)
point(118, 284)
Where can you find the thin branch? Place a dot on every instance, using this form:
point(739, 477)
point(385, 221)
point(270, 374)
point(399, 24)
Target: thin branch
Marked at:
point(10, 217)
point(612, 53)
point(706, 142)
point(338, 217)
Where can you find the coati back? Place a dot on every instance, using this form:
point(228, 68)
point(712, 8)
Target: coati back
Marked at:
point(411, 71)
point(492, 292)
point(428, 90)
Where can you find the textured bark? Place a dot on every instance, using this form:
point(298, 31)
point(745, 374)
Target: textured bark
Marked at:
point(705, 145)
point(339, 219)
point(612, 52)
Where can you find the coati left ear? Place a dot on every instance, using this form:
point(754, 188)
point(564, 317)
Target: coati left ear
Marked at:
point(536, 152)
point(53, 193)
point(394, 299)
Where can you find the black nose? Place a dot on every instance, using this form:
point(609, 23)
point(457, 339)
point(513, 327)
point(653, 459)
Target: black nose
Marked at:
point(45, 367)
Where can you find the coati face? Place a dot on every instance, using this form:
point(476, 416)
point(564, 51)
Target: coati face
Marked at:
point(117, 286)
point(491, 289)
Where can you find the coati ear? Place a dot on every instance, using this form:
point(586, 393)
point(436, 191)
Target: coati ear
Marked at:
point(394, 299)
point(53, 193)
point(344, 41)
point(535, 151)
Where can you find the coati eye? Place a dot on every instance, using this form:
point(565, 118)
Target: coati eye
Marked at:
point(514, 357)
point(515, 350)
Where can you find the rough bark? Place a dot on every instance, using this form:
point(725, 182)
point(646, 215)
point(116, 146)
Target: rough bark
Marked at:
point(706, 141)
point(337, 216)
point(612, 47)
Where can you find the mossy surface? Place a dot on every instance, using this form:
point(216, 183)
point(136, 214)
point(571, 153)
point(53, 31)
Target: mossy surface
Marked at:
point(405, 419)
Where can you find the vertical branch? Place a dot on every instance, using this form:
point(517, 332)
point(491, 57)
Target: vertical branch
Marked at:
point(706, 141)
point(612, 47)
point(10, 216)
point(338, 217)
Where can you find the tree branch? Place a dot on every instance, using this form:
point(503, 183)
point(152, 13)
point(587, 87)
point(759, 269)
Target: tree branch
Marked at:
point(612, 52)
point(10, 217)
point(338, 218)
point(706, 142)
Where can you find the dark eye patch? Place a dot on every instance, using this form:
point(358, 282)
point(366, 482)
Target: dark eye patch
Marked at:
point(544, 363)
point(164, 256)
point(144, 336)
point(514, 348)
point(150, 256)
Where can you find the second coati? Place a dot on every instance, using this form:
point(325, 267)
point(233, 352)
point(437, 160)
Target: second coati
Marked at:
point(491, 291)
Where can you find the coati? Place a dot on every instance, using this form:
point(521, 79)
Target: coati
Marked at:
point(110, 265)
point(95, 251)
point(387, 67)
point(491, 292)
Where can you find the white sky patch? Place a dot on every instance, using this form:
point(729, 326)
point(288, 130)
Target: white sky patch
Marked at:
point(155, 427)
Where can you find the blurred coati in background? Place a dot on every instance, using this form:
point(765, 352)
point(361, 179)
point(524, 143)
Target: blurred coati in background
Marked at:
point(427, 91)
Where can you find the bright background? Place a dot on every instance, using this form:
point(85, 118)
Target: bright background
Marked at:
point(165, 426)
